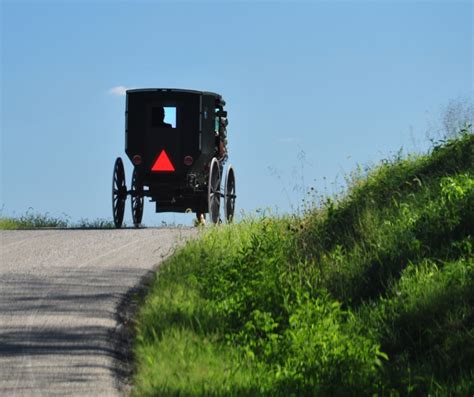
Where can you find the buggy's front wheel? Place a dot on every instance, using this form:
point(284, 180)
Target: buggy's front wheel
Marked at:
point(214, 190)
point(137, 199)
point(229, 194)
point(119, 192)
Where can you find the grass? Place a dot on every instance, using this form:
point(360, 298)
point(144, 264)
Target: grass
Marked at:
point(369, 293)
point(32, 220)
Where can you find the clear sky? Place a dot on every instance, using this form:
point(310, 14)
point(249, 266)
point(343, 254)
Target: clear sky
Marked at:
point(312, 90)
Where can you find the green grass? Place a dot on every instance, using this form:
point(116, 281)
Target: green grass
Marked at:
point(32, 220)
point(369, 293)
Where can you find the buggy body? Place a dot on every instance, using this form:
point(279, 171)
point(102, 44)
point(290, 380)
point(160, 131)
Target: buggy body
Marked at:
point(172, 138)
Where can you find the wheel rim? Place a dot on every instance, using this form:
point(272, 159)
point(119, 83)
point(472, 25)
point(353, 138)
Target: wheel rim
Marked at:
point(137, 199)
point(229, 194)
point(214, 191)
point(119, 192)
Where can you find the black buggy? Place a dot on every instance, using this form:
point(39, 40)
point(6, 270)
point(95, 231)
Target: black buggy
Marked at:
point(176, 141)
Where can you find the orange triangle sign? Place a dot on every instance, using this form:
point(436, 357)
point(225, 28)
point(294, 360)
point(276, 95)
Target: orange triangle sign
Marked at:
point(163, 163)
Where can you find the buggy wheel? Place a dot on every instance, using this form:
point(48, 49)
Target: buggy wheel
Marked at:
point(214, 190)
point(229, 194)
point(137, 199)
point(119, 192)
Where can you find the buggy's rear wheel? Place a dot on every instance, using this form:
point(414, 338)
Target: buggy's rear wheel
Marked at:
point(119, 192)
point(214, 190)
point(229, 194)
point(137, 199)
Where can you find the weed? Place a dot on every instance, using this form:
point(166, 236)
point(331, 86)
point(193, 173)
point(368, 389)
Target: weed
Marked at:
point(33, 220)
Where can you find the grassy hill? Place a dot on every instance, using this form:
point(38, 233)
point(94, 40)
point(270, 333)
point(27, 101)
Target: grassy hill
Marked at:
point(371, 293)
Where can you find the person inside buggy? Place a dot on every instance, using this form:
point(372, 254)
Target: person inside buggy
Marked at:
point(158, 118)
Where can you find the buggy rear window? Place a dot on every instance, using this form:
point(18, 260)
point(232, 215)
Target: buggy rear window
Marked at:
point(163, 117)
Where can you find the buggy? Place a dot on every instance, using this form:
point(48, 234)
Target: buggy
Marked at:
point(176, 141)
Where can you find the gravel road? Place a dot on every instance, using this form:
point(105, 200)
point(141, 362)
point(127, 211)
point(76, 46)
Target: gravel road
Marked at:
point(60, 290)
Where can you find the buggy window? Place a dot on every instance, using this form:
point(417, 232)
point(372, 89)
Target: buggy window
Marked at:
point(163, 117)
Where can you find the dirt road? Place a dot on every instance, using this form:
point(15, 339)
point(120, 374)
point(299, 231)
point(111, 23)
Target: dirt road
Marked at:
point(59, 292)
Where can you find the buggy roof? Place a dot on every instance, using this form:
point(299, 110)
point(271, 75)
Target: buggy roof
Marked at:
point(175, 90)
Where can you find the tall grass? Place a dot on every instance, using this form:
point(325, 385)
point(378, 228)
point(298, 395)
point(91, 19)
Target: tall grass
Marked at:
point(370, 293)
point(34, 220)
point(31, 220)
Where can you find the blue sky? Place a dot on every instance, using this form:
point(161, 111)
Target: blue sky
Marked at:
point(312, 90)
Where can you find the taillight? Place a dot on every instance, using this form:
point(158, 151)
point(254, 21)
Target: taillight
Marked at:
point(137, 159)
point(188, 160)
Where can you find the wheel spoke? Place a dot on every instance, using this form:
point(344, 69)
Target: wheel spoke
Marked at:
point(119, 192)
point(137, 199)
point(214, 193)
point(229, 194)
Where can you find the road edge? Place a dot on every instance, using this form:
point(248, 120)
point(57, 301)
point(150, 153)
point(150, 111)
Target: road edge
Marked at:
point(123, 333)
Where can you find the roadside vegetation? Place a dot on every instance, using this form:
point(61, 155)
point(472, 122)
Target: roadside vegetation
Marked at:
point(32, 220)
point(369, 293)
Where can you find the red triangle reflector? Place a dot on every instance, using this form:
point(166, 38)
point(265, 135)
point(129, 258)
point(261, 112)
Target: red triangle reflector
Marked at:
point(163, 163)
